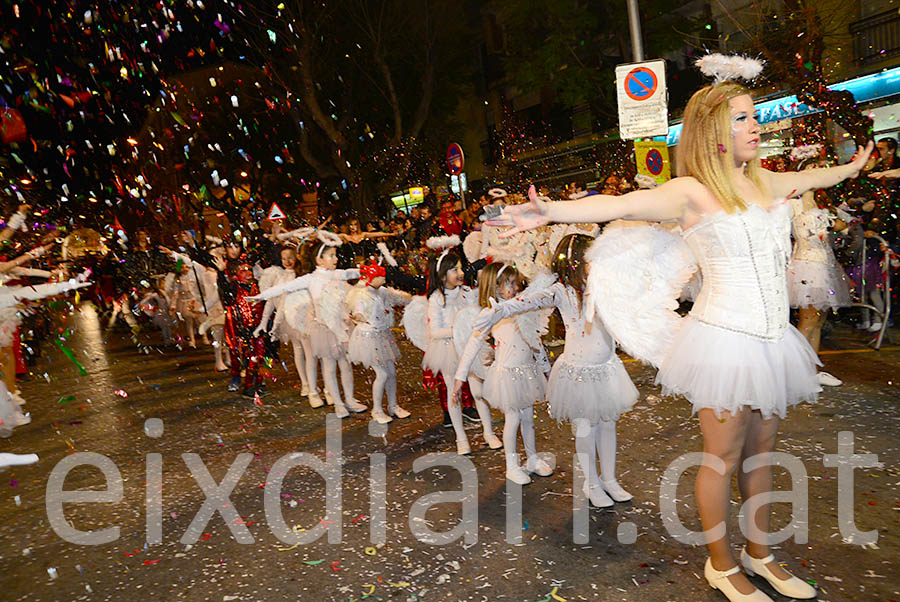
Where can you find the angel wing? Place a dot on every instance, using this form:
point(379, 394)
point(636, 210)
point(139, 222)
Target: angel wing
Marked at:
point(415, 321)
point(295, 310)
point(270, 277)
point(330, 309)
point(534, 324)
point(472, 246)
point(636, 276)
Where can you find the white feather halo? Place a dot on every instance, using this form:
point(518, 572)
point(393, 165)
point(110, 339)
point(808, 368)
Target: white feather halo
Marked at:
point(723, 67)
point(442, 242)
point(497, 193)
point(806, 151)
point(329, 239)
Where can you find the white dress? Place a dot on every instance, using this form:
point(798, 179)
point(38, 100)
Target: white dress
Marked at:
point(815, 278)
point(588, 381)
point(515, 379)
point(323, 340)
point(440, 354)
point(736, 348)
point(371, 343)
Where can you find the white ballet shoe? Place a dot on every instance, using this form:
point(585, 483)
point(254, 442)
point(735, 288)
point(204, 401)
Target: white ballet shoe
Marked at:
point(493, 441)
point(329, 399)
point(380, 417)
point(793, 587)
point(7, 459)
point(340, 411)
point(597, 496)
point(21, 419)
point(615, 491)
point(537, 466)
point(518, 476)
point(462, 447)
point(315, 401)
point(398, 412)
point(828, 380)
point(719, 580)
point(17, 398)
point(304, 390)
point(354, 406)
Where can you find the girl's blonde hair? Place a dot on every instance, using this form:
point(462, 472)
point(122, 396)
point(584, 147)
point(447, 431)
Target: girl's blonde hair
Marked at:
point(490, 280)
point(706, 149)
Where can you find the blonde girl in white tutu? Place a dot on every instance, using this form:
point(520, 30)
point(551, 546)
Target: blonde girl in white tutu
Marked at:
point(736, 357)
point(588, 385)
point(324, 342)
point(817, 283)
point(515, 379)
point(371, 307)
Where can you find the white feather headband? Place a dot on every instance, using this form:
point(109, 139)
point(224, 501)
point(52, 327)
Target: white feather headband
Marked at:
point(328, 239)
point(805, 152)
point(724, 68)
point(442, 242)
point(497, 193)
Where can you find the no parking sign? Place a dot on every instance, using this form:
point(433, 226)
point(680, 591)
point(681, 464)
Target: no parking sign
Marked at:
point(652, 159)
point(642, 97)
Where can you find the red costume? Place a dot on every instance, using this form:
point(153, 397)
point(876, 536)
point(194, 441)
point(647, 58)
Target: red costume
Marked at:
point(242, 316)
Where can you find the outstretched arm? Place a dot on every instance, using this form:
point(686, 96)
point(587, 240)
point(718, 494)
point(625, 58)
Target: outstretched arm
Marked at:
point(297, 284)
point(667, 202)
point(793, 183)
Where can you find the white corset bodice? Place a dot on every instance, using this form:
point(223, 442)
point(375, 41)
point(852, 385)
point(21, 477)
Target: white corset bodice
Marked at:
point(742, 258)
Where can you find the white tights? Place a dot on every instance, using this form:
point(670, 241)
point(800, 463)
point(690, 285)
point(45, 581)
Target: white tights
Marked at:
point(300, 363)
point(593, 442)
point(385, 382)
point(329, 374)
point(516, 421)
point(455, 409)
point(219, 348)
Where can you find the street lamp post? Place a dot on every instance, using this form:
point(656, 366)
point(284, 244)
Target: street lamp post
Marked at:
point(634, 24)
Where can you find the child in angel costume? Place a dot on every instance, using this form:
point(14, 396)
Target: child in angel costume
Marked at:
point(430, 325)
point(328, 337)
point(515, 379)
point(588, 385)
point(817, 283)
point(11, 310)
point(370, 306)
point(736, 357)
point(211, 311)
point(283, 328)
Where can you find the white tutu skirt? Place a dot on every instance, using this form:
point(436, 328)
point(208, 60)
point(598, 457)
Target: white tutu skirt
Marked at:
point(286, 333)
point(726, 371)
point(441, 357)
point(592, 392)
point(323, 342)
point(513, 388)
point(372, 348)
point(821, 285)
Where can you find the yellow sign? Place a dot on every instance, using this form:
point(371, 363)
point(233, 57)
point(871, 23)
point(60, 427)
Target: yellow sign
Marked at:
point(417, 192)
point(652, 158)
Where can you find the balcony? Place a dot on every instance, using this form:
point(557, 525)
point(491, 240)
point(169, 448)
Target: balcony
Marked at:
point(876, 38)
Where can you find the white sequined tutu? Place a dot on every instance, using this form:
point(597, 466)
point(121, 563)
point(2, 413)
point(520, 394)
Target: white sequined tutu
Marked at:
point(593, 392)
point(372, 347)
point(513, 388)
